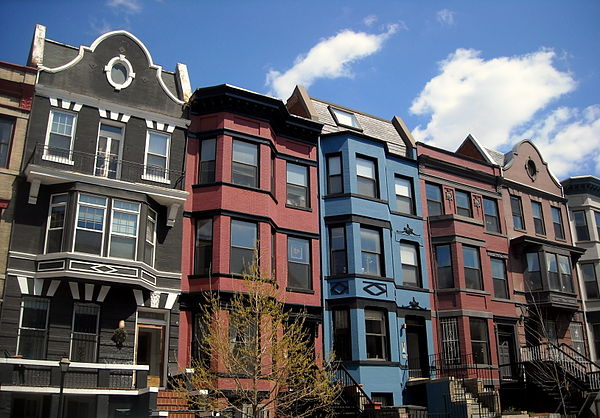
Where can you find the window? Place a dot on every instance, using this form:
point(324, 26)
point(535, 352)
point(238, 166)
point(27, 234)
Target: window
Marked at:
point(450, 341)
point(479, 341)
point(370, 241)
point(203, 255)
point(337, 245)
point(245, 164)
point(119, 72)
point(597, 219)
point(297, 185)
point(550, 331)
point(596, 328)
point(33, 328)
point(472, 268)
point(463, 204)
point(434, 200)
point(444, 266)
point(123, 236)
point(342, 344)
point(490, 213)
point(404, 196)
point(559, 232)
point(538, 218)
point(385, 399)
point(559, 273)
point(581, 228)
point(334, 174)
point(6, 131)
point(533, 273)
point(84, 333)
point(157, 156)
point(517, 213)
point(409, 256)
point(206, 171)
point(366, 177)
point(56, 223)
point(376, 335)
point(150, 244)
point(243, 243)
point(108, 151)
point(299, 271)
point(59, 140)
point(273, 252)
point(345, 118)
point(588, 272)
point(244, 343)
point(577, 340)
point(499, 278)
point(89, 230)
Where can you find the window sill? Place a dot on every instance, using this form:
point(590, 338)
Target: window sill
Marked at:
point(520, 230)
point(371, 198)
point(156, 179)
point(504, 300)
point(407, 215)
point(496, 234)
point(455, 217)
point(305, 209)
point(413, 288)
point(59, 160)
point(299, 290)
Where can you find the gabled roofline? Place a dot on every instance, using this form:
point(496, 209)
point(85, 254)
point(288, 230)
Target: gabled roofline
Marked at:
point(37, 58)
point(514, 152)
point(481, 150)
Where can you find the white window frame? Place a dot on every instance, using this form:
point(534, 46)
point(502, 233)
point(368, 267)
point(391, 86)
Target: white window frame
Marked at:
point(120, 59)
point(105, 208)
point(54, 158)
point(50, 207)
point(150, 177)
point(149, 220)
point(120, 155)
point(137, 226)
point(97, 329)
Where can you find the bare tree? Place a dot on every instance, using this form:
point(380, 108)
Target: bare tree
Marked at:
point(256, 358)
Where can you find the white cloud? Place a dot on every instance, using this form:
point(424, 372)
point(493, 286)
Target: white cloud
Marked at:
point(100, 27)
point(569, 140)
point(128, 6)
point(369, 20)
point(330, 58)
point(488, 99)
point(445, 17)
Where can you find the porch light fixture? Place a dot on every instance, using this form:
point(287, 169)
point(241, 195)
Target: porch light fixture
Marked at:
point(64, 364)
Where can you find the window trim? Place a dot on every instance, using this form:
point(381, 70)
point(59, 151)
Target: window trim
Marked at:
point(256, 167)
point(495, 217)
point(344, 346)
point(429, 200)
point(119, 59)
point(587, 279)
point(384, 336)
point(231, 246)
point(374, 180)
point(583, 226)
point(519, 215)
point(502, 280)
point(59, 159)
point(416, 248)
point(459, 208)
point(556, 210)
point(410, 197)
point(438, 266)
point(308, 264)
point(484, 322)
point(49, 218)
point(22, 307)
point(96, 335)
point(305, 187)
point(137, 227)
point(328, 158)
point(151, 177)
point(332, 250)
point(149, 220)
point(202, 161)
point(196, 246)
point(470, 268)
point(542, 231)
point(122, 127)
point(13, 123)
point(379, 255)
point(104, 220)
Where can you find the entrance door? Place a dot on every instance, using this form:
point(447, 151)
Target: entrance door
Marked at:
point(108, 151)
point(416, 345)
point(506, 351)
point(150, 351)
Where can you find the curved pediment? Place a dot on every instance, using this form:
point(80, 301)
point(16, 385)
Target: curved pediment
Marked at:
point(524, 164)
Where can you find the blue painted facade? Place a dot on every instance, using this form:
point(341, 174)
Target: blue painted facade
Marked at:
point(383, 379)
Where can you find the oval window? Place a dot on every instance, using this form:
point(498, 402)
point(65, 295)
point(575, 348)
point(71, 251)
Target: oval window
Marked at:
point(531, 169)
point(118, 73)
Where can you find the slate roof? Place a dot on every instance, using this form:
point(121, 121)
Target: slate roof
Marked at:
point(497, 156)
point(372, 126)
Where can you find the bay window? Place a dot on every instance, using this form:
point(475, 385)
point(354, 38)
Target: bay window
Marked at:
point(124, 229)
point(337, 248)
point(366, 177)
point(203, 250)
point(299, 266)
point(533, 274)
point(443, 258)
point(472, 268)
point(334, 174)
point(244, 164)
point(244, 239)
point(206, 169)
point(56, 223)
point(150, 245)
point(297, 186)
point(372, 259)
point(376, 335)
point(89, 229)
point(342, 334)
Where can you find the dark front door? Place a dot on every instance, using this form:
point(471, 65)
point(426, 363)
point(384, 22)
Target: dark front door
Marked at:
point(416, 347)
point(506, 351)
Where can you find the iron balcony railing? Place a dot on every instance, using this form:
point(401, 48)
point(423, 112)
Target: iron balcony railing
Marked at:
point(106, 165)
point(46, 373)
point(353, 394)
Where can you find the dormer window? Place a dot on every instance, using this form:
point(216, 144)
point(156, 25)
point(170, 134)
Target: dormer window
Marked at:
point(344, 118)
point(119, 72)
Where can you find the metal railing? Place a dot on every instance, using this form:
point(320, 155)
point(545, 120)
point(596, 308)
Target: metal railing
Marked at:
point(106, 165)
point(46, 373)
point(353, 395)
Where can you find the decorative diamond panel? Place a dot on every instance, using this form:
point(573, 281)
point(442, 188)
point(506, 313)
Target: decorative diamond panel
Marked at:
point(339, 288)
point(375, 289)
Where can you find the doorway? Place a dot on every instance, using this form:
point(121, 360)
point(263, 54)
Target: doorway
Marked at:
point(416, 347)
point(506, 351)
point(150, 351)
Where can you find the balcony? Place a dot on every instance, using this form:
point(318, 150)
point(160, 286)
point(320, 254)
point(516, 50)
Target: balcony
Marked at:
point(47, 166)
point(43, 376)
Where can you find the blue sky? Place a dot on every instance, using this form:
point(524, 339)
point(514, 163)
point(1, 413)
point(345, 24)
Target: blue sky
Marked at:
point(499, 70)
